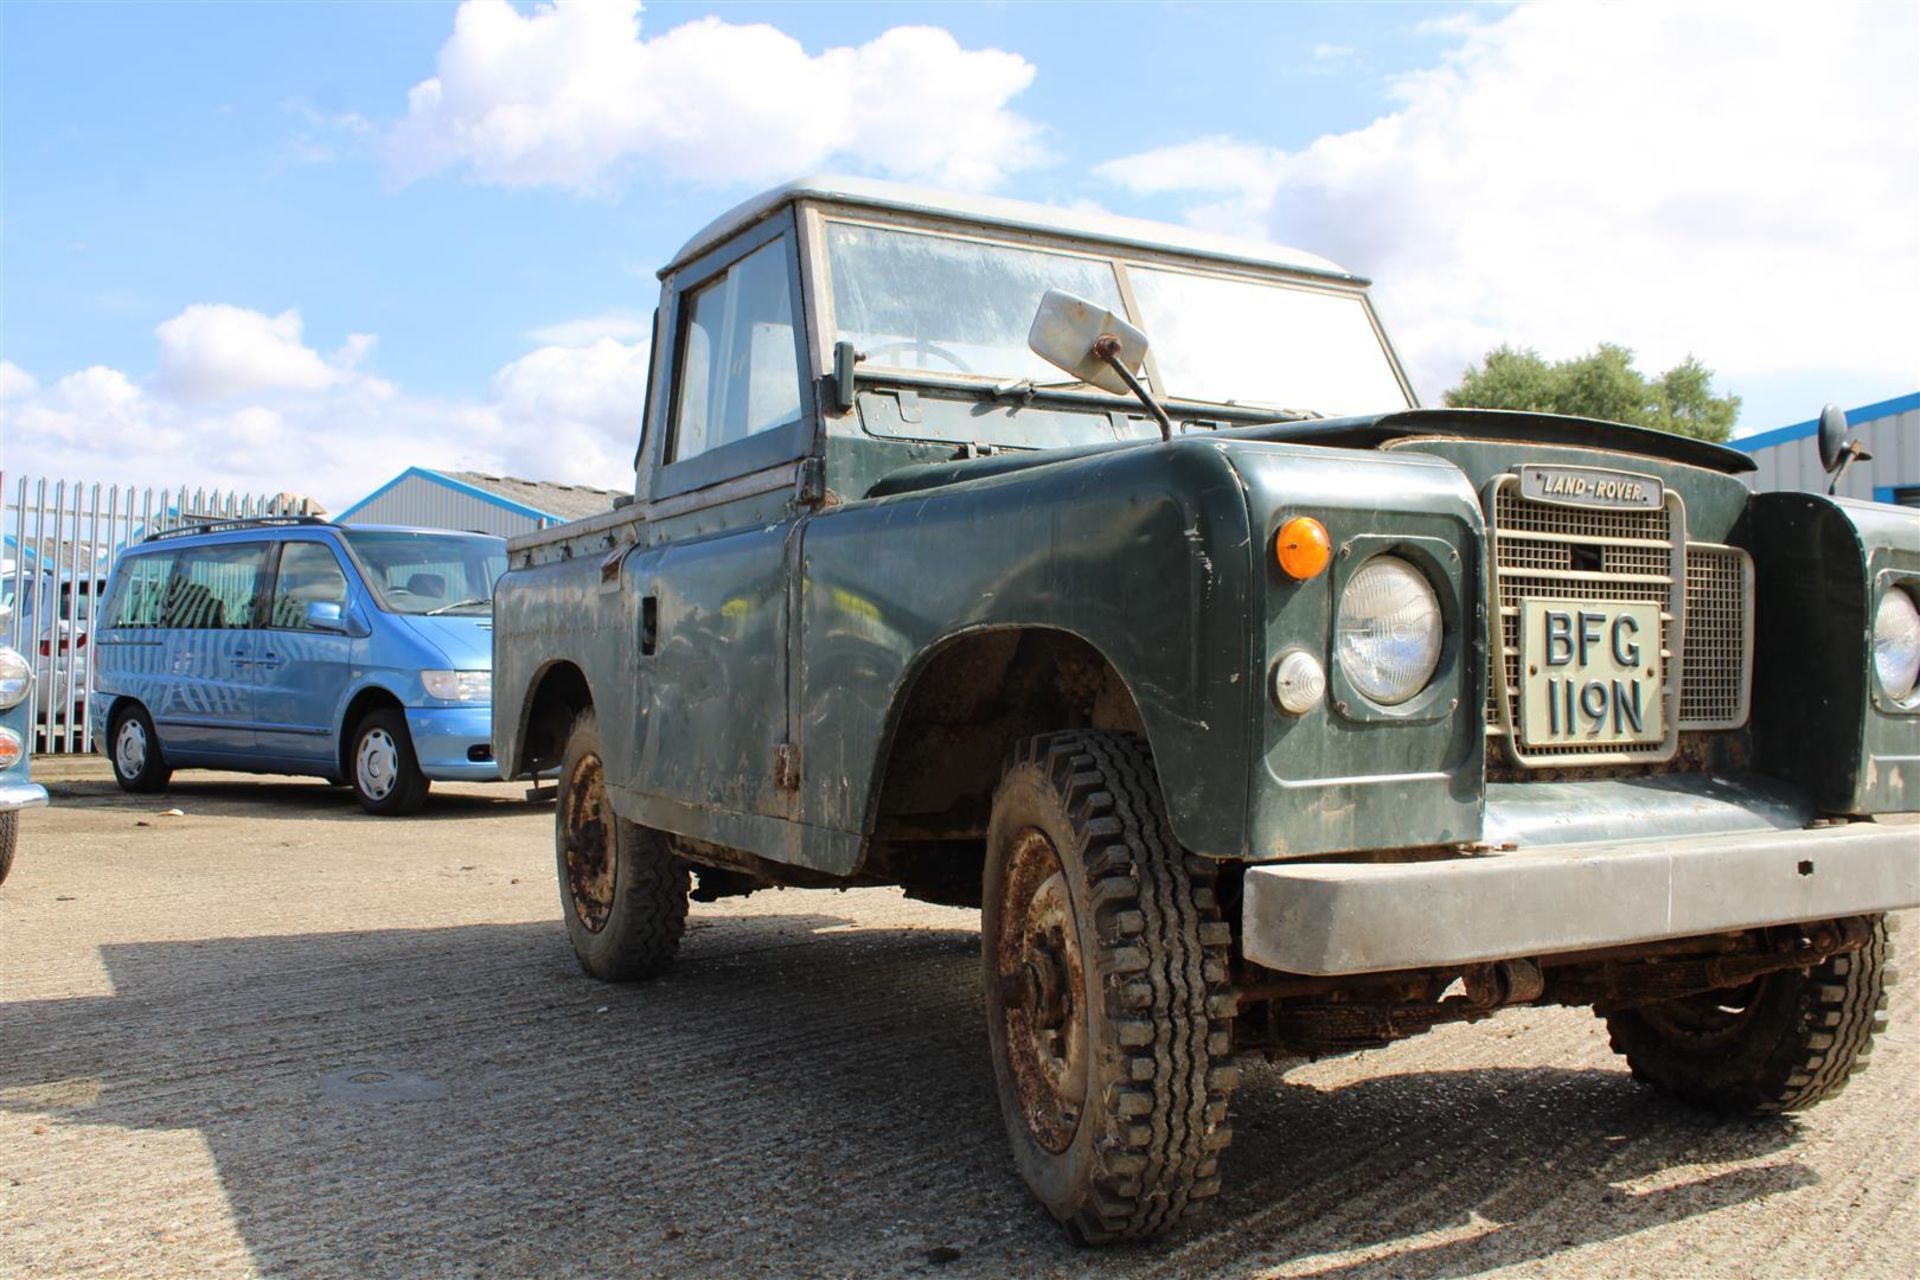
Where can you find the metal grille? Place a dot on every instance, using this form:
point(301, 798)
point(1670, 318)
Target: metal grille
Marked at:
point(1717, 662)
point(1548, 551)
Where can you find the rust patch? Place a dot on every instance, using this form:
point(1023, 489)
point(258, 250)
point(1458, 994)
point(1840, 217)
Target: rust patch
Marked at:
point(1040, 990)
point(587, 829)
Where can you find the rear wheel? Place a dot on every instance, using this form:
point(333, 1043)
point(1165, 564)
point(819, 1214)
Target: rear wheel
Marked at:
point(1108, 1004)
point(134, 749)
point(385, 773)
point(1779, 1043)
point(622, 892)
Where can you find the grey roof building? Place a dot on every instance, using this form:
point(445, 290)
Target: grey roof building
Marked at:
point(476, 502)
point(1788, 458)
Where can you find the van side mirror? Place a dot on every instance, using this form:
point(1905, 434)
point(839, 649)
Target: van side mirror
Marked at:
point(325, 615)
point(1094, 345)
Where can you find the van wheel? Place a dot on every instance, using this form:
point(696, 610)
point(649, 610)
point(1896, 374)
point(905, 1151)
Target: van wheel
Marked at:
point(622, 892)
point(1109, 1007)
point(386, 777)
point(134, 749)
point(9, 841)
point(1781, 1042)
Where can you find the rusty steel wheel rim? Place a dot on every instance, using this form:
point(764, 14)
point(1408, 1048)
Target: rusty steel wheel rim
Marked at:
point(587, 827)
point(1041, 991)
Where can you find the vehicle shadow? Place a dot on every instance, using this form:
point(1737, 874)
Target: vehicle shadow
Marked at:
point(278, 796)
point(800, 1096)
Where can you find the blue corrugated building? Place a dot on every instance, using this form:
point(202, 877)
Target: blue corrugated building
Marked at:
point(475, 502)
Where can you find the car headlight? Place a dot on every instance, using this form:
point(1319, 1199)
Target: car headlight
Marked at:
point(1388, 631)
point(1896, 643)
point(16, 677)
point(459, 686)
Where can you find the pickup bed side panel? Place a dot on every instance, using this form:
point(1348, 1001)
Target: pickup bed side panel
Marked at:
point(1142, 553)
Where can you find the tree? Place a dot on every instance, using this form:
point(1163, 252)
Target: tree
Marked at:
point(1600, 384)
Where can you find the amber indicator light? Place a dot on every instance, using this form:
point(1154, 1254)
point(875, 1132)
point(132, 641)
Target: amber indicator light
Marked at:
point(1302, 548)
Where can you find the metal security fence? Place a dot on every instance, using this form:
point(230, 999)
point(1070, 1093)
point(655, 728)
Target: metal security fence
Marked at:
point(58, 542)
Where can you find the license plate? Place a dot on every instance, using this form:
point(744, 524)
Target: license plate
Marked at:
point(1589, 673)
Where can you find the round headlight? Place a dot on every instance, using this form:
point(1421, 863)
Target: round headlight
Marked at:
point(1389, 632)
point(15, 677)
point(1896, 643)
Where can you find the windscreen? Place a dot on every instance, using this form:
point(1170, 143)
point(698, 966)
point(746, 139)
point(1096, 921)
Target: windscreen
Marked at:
point(907, 300)
point(430, 573)
point(1248, 342)
point(922, 302)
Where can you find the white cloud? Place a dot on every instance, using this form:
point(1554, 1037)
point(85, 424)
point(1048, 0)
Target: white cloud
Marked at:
point(569, 413)
point(572, 95)
point(628, 326)
point(1738, 182)
point(577, 409)
point(212, 351)
point(15, 381)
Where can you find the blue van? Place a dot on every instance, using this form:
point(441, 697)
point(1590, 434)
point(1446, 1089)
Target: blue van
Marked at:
point(359, 654)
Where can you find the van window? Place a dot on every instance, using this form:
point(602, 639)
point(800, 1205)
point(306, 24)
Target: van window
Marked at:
point(212, 588)
point(432, 573)
point(141, 591)
point(309, 574)
point(739, 374)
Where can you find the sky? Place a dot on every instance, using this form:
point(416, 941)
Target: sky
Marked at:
point(303, 246)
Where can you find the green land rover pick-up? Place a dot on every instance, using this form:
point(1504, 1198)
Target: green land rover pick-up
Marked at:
point(1257, 709)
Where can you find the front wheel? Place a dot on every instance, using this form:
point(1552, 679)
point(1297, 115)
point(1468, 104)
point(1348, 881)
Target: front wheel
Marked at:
point(1109, 1008)
point(9, 841)
point(385, 773)
point(1781, 1042)
point(623, 893)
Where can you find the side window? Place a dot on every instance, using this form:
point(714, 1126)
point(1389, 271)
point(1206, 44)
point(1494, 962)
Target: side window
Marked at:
point(212, 588)
point(309, 574)
point(738, 372)
point(142, 590)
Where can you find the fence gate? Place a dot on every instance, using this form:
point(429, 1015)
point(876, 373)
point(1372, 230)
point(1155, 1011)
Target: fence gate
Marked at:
point(60, 540)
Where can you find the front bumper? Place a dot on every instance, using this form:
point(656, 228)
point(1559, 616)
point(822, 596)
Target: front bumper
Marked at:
point(1337, 918)
point(21, 795)
point(446, 738)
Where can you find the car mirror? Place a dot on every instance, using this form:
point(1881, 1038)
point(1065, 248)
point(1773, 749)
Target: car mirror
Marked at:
point(1837, 451)
point(1066, 329)
point(1833, 437)
point(325, 615)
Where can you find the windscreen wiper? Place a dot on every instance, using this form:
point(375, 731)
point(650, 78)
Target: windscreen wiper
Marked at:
point(460, 604)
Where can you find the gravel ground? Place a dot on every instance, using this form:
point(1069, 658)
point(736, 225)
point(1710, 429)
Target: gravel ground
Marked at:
point(276, 1037)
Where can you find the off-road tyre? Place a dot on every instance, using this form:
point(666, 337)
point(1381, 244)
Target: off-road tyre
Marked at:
point(142, 771)
point(1780, 1043)
point(623, 893)
point(384, 730)
point(9, 841)
point(1153, 997)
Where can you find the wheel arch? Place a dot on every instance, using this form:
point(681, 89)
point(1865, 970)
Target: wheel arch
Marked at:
point(965, 703)
point(557, 693)
point(364, 700)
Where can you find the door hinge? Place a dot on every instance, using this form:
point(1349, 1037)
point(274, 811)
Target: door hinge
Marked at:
point(810, 490)
point(786, 767)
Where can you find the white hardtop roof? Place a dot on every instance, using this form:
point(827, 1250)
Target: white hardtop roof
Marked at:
point(1107, 227)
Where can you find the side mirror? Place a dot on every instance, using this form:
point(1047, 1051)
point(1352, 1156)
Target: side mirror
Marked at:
point(1837, 452)
point(1833, 437)
point(1096, 346)
point(324, 615)
point(1067, 328)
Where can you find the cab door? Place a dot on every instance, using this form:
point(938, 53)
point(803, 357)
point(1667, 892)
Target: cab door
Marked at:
point(304, 658)
point(710, 588)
